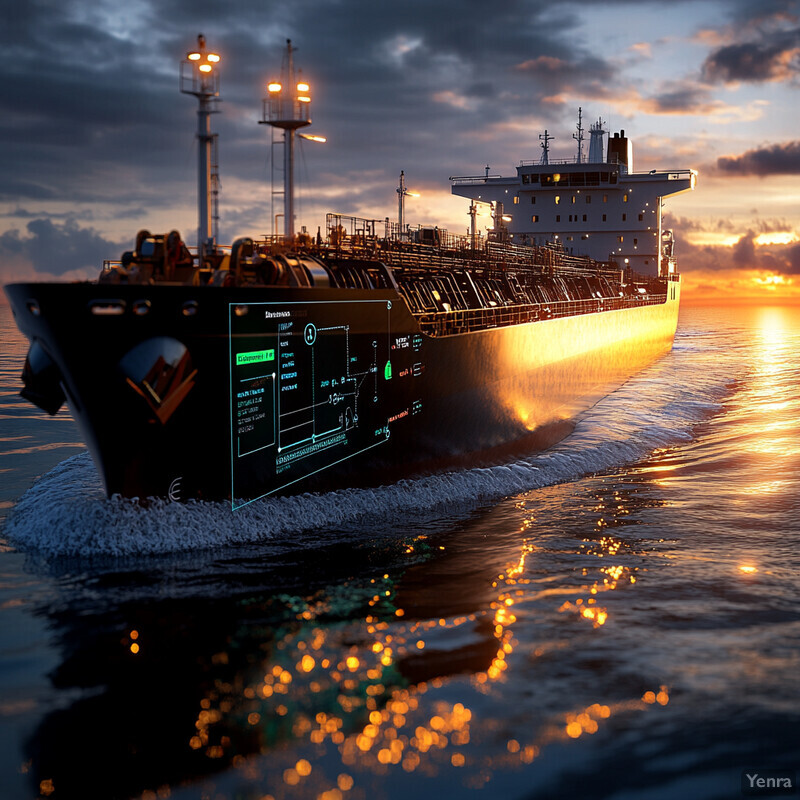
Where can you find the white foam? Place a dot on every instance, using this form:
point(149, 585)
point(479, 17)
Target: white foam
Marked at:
point(66, 513)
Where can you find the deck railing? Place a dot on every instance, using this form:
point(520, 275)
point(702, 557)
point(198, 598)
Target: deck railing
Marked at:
point(450, 323)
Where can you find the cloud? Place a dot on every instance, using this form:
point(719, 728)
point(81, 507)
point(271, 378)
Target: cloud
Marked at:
point(682, 97)
point(644, 49)
point(776, 159)
point(793, 260)
point(744, 251)
point(758, 249)
point(568, 73)
point(774, 57)
point(58, 249)
point(100, 143)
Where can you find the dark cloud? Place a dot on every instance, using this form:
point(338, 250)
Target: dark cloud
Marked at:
point(91, 117)
point(89, 105)
point(744, 251)
point(746, 254)
point(776, 159)
point(58, 248)
point(687, 225)
point(554, 74)
point(681, 97)
point(746, 13)
point(793, 260)
point(773, 56)
point(24, 213)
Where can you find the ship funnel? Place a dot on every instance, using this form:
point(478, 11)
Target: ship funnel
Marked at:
point(620, 151)
point(42, 380)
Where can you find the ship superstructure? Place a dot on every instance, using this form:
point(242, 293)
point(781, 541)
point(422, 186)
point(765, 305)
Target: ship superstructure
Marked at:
point(597, 207)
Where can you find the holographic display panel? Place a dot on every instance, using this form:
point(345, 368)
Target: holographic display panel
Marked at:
point(313, 384)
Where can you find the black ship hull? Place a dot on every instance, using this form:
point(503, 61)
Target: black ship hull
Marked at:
point(213, 392)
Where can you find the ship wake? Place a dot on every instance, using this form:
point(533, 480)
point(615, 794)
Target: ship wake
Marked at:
point(66, 513)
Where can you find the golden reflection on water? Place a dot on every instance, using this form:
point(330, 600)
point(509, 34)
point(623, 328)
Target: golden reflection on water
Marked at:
point(349, 688)
point(767, 409)
point(754, 440)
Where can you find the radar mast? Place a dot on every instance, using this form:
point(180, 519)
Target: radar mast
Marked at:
point(578, 137)
point(287, 107)
point(545, 145)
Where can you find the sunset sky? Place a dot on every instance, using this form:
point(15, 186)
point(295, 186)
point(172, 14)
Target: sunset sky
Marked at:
point(98, 142)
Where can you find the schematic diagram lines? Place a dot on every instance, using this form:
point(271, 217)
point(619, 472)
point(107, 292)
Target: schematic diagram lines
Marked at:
point(333, 389)
point(314, 383)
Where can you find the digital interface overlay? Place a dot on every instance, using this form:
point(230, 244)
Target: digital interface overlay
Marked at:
point(314, 384)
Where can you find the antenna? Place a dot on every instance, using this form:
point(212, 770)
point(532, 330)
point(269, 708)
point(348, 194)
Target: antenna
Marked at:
point(545, 145)
point(579, 137)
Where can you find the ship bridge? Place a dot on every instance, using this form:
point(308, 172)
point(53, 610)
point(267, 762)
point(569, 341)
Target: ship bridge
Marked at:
point(602, 209)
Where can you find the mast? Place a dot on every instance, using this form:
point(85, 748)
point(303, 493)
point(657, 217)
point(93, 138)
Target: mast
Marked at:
point(402, 193)
point(287, 106)
point(545, 145)
point(200, 78)
point(578, 137)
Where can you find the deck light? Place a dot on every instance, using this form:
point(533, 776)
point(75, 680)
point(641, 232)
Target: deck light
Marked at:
point(303, 87)
point(213, 57)
point(205, 68)
point(274, 87)
point(193, 56)
point(304, 98)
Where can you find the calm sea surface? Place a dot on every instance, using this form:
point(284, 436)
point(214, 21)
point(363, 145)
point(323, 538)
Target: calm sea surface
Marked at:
point(616, 618)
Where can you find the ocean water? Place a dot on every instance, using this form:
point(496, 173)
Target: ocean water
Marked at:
point(615, 618)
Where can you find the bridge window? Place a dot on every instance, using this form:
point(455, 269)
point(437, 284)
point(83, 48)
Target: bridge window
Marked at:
point(535, 218)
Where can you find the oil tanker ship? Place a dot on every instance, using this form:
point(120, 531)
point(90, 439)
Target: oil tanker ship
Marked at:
point(371, 351)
